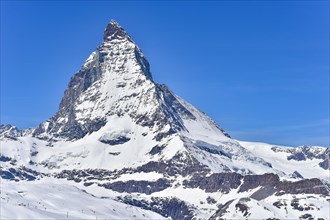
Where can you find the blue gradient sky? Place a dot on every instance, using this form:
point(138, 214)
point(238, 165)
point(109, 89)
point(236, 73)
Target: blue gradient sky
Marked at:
point(260, 69)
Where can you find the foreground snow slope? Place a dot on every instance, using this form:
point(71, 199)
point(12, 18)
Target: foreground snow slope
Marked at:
point(47, 200)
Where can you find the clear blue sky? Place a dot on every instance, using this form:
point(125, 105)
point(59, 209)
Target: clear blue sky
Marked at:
point(260, 69)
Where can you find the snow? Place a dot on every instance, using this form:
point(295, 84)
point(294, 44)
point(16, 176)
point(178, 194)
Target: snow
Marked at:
point(308, 168)
point(123, 93)
point(46, 200)
point(89, 152)
point(202, 128)
point(174, 146)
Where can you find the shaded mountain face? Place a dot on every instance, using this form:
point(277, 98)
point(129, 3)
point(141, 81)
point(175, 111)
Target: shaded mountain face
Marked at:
point(125, 140)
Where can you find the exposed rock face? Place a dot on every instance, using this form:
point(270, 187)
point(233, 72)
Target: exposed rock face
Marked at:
point(177, 166)
point(21, 173)
point(240, 206)
point(253, 181)
point(306, 186)
point(156, 149)
point(222, 209)
point(217, 182)
point(167, 207)
point(146, 187)
point(9, 131)
point(114, 31)
point(171, 100)
point(222, 182)
point(325, 164)
point(4, 158)
point(297, 175)
point(271, 183)
point(115, 141)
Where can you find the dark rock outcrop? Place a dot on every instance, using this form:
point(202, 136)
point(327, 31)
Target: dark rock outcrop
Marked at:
point(253, 181)
point(10, 132)
point(298, 156)
point(306, 216)
point(167, 207)
point(210, 200)
point(217, 182)
point(279, 204)
point(4, 158)
point(297, 175)
point(263, 193)
point(325, 164)
point(156, 149)
point(114, 31)
point(242, 207)
point(132, 186)
point(305, 186)
point(115, 141)
point(21, 173)
point(222, 209)
point(270, 182)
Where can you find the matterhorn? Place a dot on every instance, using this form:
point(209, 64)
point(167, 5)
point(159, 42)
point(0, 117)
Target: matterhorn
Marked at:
point(122, 146)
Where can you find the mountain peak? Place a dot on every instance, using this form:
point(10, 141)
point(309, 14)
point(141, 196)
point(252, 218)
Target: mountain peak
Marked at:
point(113, 30)
point(116, 80)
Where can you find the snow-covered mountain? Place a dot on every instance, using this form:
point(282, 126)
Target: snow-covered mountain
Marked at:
point(122, 146)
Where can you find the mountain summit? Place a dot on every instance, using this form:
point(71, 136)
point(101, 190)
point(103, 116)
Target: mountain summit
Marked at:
point(116, 80)
point(114, 30)
point(120, 140)
point(115, 71)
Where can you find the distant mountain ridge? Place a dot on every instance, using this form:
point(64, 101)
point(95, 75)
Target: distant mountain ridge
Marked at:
point(119, 138)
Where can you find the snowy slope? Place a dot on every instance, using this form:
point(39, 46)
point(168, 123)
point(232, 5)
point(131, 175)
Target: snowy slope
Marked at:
point(120, 135)
point(46, 199)
point(278, 157)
